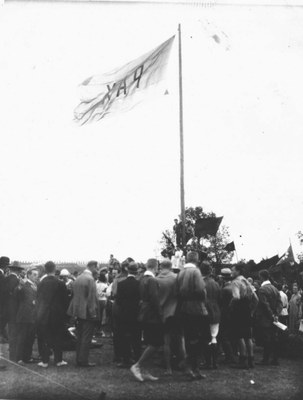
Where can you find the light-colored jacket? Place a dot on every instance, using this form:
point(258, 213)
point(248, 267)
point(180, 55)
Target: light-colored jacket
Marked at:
point(191, 291)
point(84, 304)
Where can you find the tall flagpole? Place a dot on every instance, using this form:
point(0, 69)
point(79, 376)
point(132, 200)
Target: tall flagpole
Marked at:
point(181, 141)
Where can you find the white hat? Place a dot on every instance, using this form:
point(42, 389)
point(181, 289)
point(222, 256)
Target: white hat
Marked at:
point(64, 272)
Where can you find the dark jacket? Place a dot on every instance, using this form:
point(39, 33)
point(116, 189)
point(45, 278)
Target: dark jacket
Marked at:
point(2, 296)
point(11, 284)
point(225, 300)
point(52, 301)
point(127, 299)
point(269, 305)
point(26, 296)
point(150, 311)
point(213, 294)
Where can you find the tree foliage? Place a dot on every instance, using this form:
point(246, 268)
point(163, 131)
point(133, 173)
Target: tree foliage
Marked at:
point(209, 247)
point(300, 237)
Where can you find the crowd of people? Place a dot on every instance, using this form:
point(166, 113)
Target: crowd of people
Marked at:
point(183, 308)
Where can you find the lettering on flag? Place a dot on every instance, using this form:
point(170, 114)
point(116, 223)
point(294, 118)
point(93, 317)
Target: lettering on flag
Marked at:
point(118, 90)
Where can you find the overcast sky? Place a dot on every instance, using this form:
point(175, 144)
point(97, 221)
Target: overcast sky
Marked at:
point(80, 193)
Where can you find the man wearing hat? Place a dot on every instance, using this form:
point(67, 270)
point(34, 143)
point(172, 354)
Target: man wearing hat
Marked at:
point(12, 282)
point(64, 275)
point(127, 298)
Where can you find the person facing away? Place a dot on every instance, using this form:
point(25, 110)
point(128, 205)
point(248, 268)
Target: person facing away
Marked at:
point(213, 294)
point(151, 319)
point(242, 306)
point(127, 298)
point(116, 321)
point(84, 308)
point(193, 312)
point(225, 332)
point(267, 312)
point(167, 280)
point(51, 306)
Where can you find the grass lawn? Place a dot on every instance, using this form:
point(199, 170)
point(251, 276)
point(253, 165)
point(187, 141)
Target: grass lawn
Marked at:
point(32, 382)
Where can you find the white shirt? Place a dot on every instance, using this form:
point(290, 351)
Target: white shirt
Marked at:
point(89, 271)
point(284, 300)
point(149, 273)
point(190, 265)
point(265, 283)
point(101, 290)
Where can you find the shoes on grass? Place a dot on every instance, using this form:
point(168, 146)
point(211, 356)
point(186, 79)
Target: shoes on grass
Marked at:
point(199, 375)
point(135, 370)
point(149, 377)
point(42, 364)
point(61, 363)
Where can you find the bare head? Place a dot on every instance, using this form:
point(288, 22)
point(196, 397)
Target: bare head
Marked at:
point(50, 268)
point(92, 266)
point(192, 257)
point(152, 265)
point(166, 264)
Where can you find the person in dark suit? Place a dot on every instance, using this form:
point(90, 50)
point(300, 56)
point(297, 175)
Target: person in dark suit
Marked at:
point(25, 318)
point(193, 313)
point(116, 325)
point(51, 305)
point(127, 298)
point(242, 307)
point(225, 332)
point(84, 308)
point(213, 294)
point(267, 312)
point(151, 318)
point(4, 263)
point(12, 282)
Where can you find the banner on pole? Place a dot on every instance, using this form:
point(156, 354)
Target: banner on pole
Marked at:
point(119, 89)
point(230, 247)
point(207, 226)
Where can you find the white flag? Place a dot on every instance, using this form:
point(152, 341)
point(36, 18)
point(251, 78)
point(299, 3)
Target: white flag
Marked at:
point(118, 90)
